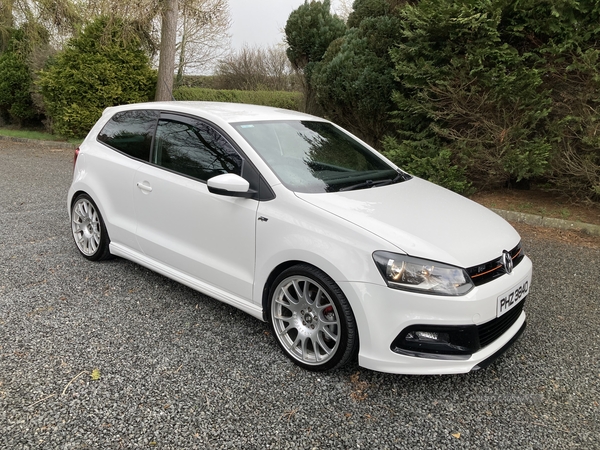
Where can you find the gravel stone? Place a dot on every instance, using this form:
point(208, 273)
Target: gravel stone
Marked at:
point(178, 370)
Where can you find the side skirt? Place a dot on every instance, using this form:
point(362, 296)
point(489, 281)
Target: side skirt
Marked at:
point(200, 286)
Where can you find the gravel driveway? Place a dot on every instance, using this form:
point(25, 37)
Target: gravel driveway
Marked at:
point(111, 355)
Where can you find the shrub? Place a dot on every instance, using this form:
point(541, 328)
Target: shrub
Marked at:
point(355, 80)
point(97, 69)
point(567, 43)
point(199, 81)
point(16, 83)
point(509, 89)
point(469, 93)
point(430, 161)
point(277, 99)
point(308, 32)
point(482, 93)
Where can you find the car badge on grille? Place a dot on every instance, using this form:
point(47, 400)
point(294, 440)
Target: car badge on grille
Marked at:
point(507, 262)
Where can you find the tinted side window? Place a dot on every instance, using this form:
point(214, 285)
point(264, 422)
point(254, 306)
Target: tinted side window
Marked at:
point(196, 150)
point(130, 132)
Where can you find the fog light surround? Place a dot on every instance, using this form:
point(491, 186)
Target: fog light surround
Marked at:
point(432, 341)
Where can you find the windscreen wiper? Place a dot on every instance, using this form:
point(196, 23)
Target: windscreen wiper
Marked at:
point(367, 184)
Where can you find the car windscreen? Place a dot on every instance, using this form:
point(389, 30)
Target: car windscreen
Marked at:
point(315, 157)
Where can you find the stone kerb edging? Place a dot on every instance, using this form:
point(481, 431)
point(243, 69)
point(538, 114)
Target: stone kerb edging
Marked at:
point(548, 222)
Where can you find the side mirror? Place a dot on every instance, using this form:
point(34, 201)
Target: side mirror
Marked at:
point(231, 185)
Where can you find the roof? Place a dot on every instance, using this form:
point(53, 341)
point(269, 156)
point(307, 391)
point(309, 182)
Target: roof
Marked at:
point(227, 112)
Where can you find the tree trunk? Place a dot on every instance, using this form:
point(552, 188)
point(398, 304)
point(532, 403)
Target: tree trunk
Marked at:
point(182, 44)
point(168, 39)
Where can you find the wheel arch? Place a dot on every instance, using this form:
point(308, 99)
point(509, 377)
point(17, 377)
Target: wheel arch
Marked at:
point(310, 257)
point(76, 193)
point(277, 270)
point(103, 251)
point(74, 197)
point(351, 346)
point(271, 278)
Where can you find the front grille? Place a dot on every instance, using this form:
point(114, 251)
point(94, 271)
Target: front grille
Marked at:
point(486, 272)
point(492, 330)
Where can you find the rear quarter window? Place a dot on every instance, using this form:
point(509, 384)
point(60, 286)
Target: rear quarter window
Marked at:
point(131, 132)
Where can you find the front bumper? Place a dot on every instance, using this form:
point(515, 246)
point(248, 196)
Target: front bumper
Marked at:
point(382, 314)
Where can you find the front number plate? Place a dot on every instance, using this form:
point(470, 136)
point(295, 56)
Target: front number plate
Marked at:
point(509, 299)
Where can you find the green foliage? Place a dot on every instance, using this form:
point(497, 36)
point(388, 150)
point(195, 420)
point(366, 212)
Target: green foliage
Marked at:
point(16, 81)
point(576, 162)
point(309, 30)
point(355, 80)
point(97, 69)
point(15, 85)
point(470, 91)
point(567, 43)
point(364, 9)
point(277, 99)
point(427, 159)
point(508, 88)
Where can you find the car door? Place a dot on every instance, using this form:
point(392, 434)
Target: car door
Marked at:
point(122, 146)
point(180, 223)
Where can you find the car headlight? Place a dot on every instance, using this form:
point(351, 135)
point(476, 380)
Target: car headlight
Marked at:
point(421, 275)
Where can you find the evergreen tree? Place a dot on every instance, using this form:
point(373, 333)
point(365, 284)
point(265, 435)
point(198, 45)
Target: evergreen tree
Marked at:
point(96, 70)
point(355, 80)
point(503, 91)
point(16, 80)
point(309, 31)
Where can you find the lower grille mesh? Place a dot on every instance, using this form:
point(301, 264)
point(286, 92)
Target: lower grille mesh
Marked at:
point(492, 330)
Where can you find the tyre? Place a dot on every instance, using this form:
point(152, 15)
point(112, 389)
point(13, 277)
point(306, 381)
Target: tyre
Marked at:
point(312, 319)
point(88, 229)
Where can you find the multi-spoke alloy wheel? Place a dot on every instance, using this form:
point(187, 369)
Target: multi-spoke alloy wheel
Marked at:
point(88, 229)
point(311, 319)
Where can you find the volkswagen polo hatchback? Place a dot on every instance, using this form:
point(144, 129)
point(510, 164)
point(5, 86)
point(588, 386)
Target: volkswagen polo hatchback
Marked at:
point(295, 221)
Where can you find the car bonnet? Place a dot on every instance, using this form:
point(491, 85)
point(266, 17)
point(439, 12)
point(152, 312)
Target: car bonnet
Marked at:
point(423, 220)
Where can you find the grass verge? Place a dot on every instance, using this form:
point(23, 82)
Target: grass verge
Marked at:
point(38, 135)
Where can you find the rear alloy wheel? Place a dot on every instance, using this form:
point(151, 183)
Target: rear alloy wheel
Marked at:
point(88, 229)
point(312, 319)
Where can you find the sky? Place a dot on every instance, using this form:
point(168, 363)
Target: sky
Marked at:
point(260, 23)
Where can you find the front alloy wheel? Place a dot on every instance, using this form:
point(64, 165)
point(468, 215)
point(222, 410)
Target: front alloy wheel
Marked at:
point(88, 229)
point(312, 319)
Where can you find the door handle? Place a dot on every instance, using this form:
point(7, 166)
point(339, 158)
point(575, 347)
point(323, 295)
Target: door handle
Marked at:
point(144, 187)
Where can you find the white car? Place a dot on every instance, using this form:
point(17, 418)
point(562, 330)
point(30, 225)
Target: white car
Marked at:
point(295, 221)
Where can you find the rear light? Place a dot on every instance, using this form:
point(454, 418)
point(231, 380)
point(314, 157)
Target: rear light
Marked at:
point(75, 158)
